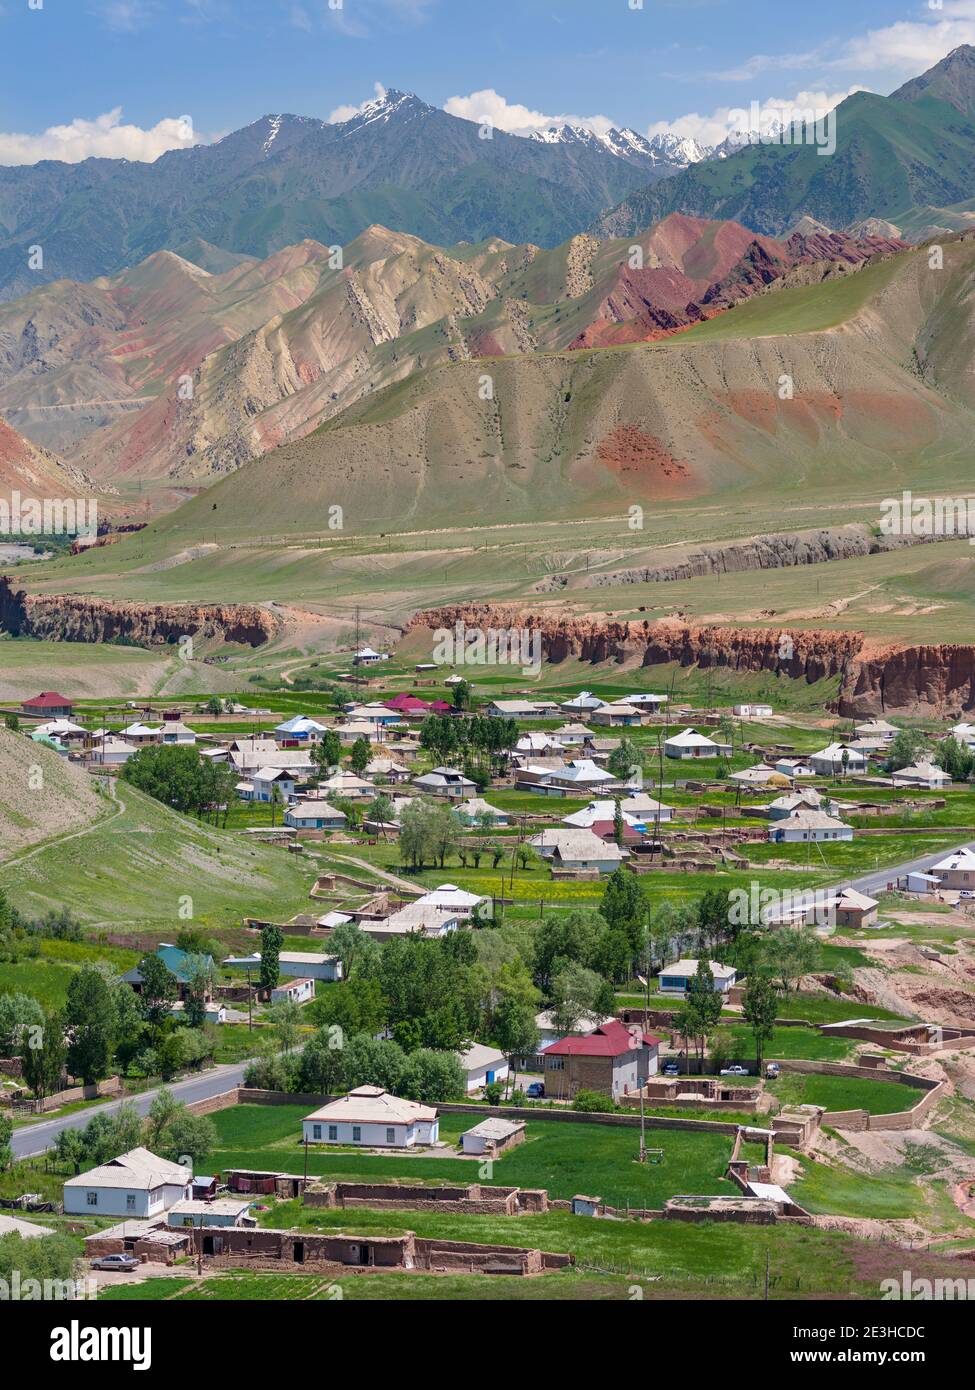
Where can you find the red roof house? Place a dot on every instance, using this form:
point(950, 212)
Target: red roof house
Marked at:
point(49, 704)
point(613, 1058)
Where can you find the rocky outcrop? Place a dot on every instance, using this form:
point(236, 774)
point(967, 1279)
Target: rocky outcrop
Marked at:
point(923, 680)
point(784, 550)
point(80, 618)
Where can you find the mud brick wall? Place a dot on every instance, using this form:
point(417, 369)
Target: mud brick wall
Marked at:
point(208, 1107)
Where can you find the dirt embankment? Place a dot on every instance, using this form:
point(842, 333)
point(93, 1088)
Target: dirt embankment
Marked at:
point(929, 680)
point(80, 618)
point(785, 550)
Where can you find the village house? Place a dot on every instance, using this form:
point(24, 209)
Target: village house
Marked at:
point(582, 704)
point(572, 735)
point(578, 851)
point(373, 1118)
point(137, 1184)
point(224, 1211)
point(414, 919)
point(355, 729)
point(784, 806)
point(260, 786)
point(540, 745)
point(295, 965)
point(378, 716)
point(447, 782)
point(760, 776)
point(753, 711)
point(366, 656)
point(450, 899)
point(802, 826)
point(612, 1058)
point(381, 769)
point(675, 978)
point(599, 812)
point(477, 811)
point(111, 752)
point(64, 730)
point(522, 709)
point(48, 705)
point(837, 759)
point(617, 715)
point(140, 734)
point(266, 754)
point(492, 1137)
point(178, 963)
point(553, 777)
point(482, 1066)
point(690, 744)
point(876, 729)
point(174, 731)
point(957, 871)
point(793, 768)
point(921, 774)
point(297, 991)
point(646, 701)
point(347, 785)
point(302, 729)
point(314, 815)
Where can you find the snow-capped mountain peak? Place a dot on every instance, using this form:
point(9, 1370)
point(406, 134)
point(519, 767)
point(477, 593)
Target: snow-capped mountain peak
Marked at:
point(680, 149)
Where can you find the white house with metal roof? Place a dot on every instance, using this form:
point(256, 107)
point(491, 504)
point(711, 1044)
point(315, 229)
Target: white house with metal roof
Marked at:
point(136, 1184)
point(373, 1118)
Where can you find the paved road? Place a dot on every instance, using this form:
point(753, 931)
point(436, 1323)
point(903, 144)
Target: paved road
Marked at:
point(33, 1139)
point(870, 883)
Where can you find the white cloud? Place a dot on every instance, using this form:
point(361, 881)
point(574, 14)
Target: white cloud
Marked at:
point(904, 48)
point(126, 16)
point(345, 113)
point(712, 129)
point(105, 137)
point(489, 106)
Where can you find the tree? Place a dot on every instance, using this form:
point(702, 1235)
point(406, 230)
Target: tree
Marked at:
point(42, 1059)
point(354, 948)
point(579, 994)
point(904, 749)
point(565, 938)
point(276, 800)
point(462, 695)
point(790, 953)
point(320, 1067)
point(18, 1014)
point(382, 811)
point(759, 1008)
point(357, 1006)
point(359, 756)
point(433, 1077)
point(171, 773)
point(373, 1062)
point(89, 1024)
point(327, 753)
point(160, 989)
point(624, 761)
point(162, 1110)
point(623, 905)
point(703, 1004)
point(6, 1149)
point(619, 824)
point(285, 1018)
point(272, 939)
point(514, 1029)
point(188, 1136)
point(199, 986)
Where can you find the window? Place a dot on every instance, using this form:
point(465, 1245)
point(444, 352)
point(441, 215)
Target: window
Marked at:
point(390, 1136)
point(555, 1063)
point(93, 1199)
point(316, 1131)
point(357, 1134)
point(333, 1131)
point(130, 1201)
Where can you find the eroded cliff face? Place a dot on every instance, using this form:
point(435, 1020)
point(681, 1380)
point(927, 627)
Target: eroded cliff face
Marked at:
point(80, 618)
point(923, 680)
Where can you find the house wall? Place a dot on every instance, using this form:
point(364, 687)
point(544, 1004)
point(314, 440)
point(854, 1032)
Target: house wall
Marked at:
point(372, 1136)
point(477, 1079)
point(113, 1201)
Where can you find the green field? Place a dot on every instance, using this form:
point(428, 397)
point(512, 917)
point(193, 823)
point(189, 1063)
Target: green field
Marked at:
point(845, 1093)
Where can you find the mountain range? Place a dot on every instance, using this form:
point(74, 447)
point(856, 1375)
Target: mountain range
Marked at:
point(170, 372)
point(284, 178)
point(893, 154)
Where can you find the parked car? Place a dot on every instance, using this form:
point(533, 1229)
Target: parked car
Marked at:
point(772, 1070)
point(967, 893)
point(122, 1264)
point(734, 1071)
point(536, 1090)
point(671, 1069)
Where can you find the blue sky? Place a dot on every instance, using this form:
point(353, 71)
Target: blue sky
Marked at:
point(113, 77)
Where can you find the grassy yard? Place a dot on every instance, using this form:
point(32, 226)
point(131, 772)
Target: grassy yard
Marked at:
point(845, 1093)
point(563, 1157)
